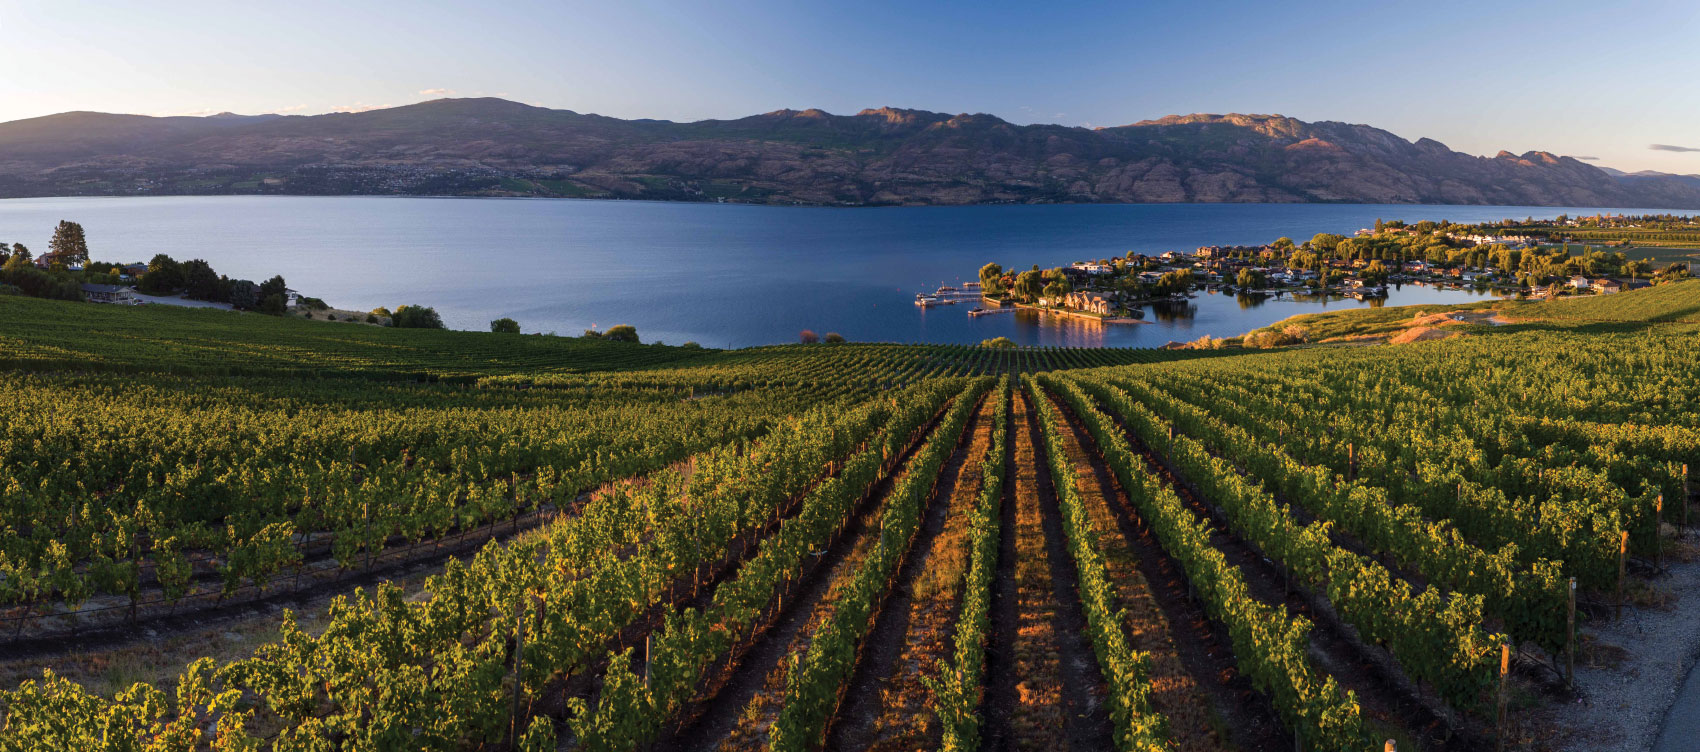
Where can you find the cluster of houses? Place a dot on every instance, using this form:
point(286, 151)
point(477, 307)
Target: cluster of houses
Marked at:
point(1509, 241)
point(1215, 267)
point(1605, 285)
point(1090, 301)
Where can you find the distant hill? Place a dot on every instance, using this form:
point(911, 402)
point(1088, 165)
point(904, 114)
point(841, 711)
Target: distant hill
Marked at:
point(883, 156)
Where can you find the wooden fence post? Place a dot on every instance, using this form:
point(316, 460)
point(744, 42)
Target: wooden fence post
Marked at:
point(1687, 495)
point(1570, 638)
point(1622, 555)
point(1504, 671)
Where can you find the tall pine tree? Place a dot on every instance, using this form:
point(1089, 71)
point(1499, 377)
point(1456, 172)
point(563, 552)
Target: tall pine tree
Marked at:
point(69, 246)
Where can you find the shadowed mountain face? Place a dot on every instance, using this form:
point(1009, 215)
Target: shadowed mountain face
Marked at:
point(884, 156)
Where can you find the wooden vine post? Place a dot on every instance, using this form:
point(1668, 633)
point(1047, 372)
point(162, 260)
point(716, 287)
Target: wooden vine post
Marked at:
point(1351, 461)
point(1687, 495)
point(366, 515)
point(1622, 557)
point(1658, 540)
point(1504, 672)
point(1570, 638)
point(519, 660)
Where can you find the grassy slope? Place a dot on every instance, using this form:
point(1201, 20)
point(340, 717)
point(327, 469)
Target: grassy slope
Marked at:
point(42, 333)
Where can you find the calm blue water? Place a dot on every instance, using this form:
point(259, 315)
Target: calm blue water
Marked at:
point(722, 275)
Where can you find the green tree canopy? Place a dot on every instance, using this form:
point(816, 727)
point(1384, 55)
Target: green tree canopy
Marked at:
point(164, 276)
point(416, 317)
point(621, 333)
point(274, 286)
point(504, 325)
point(1029, 285)
point(201, 282)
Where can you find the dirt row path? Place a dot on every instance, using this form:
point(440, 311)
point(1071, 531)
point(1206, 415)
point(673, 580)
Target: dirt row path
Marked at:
point(1046, 692)
point(1391, 706)
point(888, 707)
point(1200, 717)
point(740, 712)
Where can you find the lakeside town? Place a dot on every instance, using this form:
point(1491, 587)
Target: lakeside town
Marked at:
point(1542, 264)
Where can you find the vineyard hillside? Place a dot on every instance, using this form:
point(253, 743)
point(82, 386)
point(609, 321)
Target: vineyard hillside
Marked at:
point(434, 540)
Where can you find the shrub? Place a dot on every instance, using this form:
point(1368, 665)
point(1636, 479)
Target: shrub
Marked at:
point(998, 342)
point(690, 346)
point(621, 333)
point(808, 337)
point(416, 317)
point(592, 334)
point(834, 338)
point(504, 325)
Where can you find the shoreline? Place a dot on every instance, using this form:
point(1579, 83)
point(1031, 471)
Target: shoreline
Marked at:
point(1560, 209)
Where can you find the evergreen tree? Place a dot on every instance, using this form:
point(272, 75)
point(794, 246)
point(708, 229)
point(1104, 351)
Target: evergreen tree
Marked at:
point(69, 246)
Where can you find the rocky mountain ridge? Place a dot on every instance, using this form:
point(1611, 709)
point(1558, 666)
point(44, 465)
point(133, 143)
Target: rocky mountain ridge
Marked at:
point(884, 156)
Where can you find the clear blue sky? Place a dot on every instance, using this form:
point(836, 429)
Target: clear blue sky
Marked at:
point(1579, 78)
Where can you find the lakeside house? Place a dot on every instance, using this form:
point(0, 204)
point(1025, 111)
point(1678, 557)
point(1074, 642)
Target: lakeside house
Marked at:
point(1580, 282)
point(118, 294)
point(1605, 286)
point(1092, 302)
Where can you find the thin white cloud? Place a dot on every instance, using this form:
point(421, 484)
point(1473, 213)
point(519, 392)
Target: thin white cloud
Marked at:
point(1668, 147)
point(289, 109)
point(436, 92)
point(1588, 159)
point(189, 113)
point(360, 107)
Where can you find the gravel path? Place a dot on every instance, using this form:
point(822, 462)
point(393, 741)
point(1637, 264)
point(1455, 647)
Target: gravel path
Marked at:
point(1624, 707)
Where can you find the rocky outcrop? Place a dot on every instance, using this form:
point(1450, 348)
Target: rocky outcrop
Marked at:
point(877, 156)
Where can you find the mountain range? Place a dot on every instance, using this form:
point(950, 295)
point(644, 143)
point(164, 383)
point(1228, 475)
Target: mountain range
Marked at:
point(886, 156)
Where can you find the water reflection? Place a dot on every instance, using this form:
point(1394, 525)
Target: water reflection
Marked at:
point(1172, 311)
point(1036, 327)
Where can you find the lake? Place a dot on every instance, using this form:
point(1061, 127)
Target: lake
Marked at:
point(724, 275)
